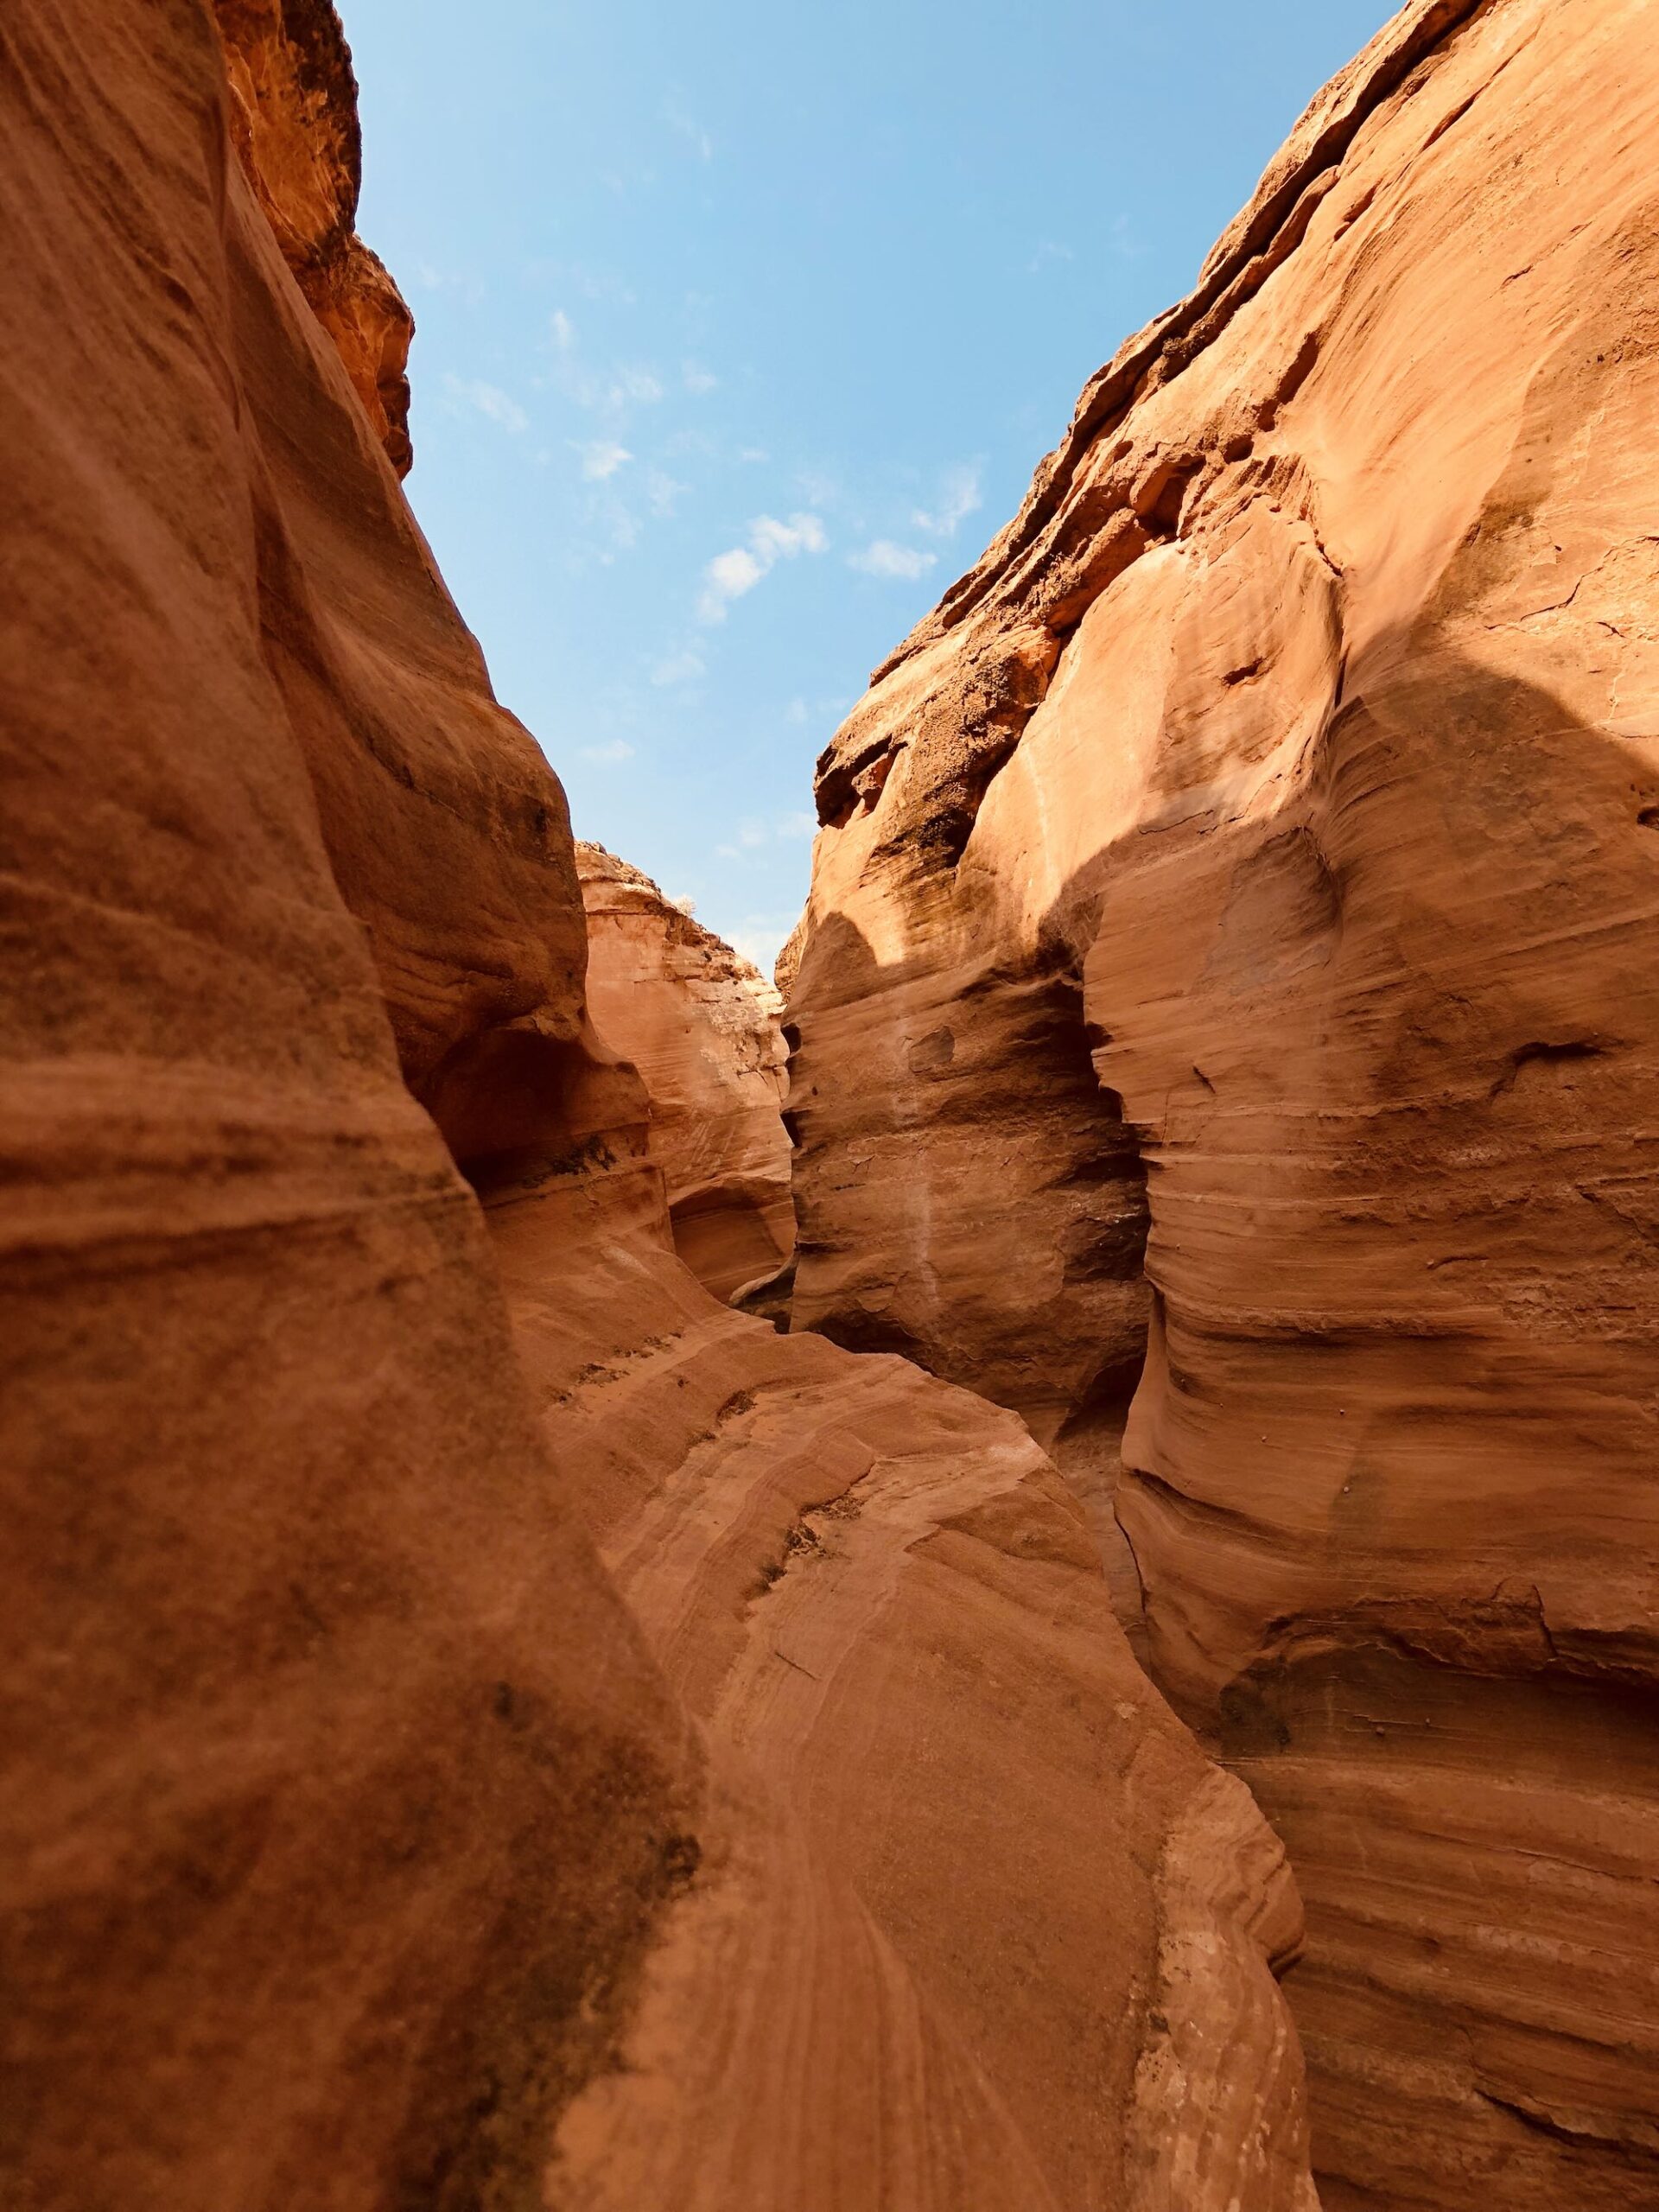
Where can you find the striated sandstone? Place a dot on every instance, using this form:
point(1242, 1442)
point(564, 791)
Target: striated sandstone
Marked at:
point(342, 1794)
point(701, 1024)
point(974, 1923)
point(486, 1724)
point(1259, 845)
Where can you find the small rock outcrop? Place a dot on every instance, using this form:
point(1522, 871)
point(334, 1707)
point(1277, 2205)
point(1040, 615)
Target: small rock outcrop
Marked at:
point(293, 108)
point(701, 1024)
point(486, 1724)
point(1252, 861)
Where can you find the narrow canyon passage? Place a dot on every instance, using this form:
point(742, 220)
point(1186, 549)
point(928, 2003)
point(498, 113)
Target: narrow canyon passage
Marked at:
point(489, 1724)
point(1142, 1694)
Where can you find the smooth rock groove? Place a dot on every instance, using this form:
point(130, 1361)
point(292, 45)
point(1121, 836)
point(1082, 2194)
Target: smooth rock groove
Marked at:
point(1256, 857)
point(487, 1726)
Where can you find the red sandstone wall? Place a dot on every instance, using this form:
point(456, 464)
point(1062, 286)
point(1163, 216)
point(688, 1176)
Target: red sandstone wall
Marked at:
point(1256, 851)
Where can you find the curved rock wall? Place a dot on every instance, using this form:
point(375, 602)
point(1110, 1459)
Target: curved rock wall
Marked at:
point(1293, 758)
point(341, 1790)
point(701, 1024)
point(486, 1723)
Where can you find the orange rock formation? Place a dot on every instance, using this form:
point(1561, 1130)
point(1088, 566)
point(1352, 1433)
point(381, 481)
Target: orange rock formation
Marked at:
point(486, 1724)
point(1255, 854)
point(700, 1024)
point(294, 120)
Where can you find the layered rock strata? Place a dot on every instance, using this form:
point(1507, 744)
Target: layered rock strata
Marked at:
point(486, 1724)
point(1257, 849)
point(701, 1024)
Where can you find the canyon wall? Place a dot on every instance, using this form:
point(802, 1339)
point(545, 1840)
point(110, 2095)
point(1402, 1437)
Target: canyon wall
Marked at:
point(293, 111)
point(1257, 858)
point(701, 1024)
point(486, 1724)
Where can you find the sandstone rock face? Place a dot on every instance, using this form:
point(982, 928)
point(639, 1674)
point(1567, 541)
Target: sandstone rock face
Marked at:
point(342, 1792)
point(486, 1724)
point(294, 118)
point(701, 1024)
point(1292, 757)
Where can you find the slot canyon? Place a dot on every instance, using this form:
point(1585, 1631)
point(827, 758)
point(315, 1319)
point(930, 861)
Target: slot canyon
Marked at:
point(1019, 1576)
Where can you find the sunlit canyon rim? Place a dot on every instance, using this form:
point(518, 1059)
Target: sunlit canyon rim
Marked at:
point(1123, 1673)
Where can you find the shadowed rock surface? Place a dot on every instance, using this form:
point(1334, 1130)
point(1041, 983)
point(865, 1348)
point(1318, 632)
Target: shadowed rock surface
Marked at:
point(700, 1023)
point(1256, 856)
point(486, 1724)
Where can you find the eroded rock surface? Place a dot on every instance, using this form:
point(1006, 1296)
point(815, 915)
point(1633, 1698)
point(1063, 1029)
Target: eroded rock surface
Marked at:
point(294, 120)
point(486, 1724)
point(1292, 757)
point(341, 1789)
point(701, 1024)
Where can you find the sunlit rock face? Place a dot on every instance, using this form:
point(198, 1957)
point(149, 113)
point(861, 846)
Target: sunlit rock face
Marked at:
point(293, 111)
point(486, 1724)
point(1259, 852)
point(701, 1024)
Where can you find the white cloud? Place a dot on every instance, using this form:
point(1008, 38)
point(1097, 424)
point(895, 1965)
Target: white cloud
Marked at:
point(575, 276)
point(618, 749)
point(795, 711)
point(431, 278)
point(677, 118)
point(754, 833)
point(607, 392)
point(730, 574)
point(681, 668)
point(1047, 253)
point(727, 576)
point(564, 331)
point(884, 558)
point(662, 491)
point(489, 401)
point(602, 458)
point(697, 378)
point(1122, 240)
point(760, 938)
point(959, 496)
point(773, 540)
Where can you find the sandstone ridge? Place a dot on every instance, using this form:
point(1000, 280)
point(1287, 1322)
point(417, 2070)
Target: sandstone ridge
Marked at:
point(701, 1024)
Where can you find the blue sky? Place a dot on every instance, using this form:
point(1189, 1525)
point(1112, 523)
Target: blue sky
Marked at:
point(741, 328)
